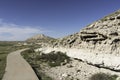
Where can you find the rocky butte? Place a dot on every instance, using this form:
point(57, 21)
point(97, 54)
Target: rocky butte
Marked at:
point(41, 39)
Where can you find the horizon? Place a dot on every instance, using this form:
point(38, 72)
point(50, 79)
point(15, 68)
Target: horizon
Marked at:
point(20, 20)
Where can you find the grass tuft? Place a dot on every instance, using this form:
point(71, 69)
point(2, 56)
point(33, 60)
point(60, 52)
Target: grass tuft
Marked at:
point(103, 76)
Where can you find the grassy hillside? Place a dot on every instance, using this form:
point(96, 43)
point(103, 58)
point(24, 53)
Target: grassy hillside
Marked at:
point(5, 49)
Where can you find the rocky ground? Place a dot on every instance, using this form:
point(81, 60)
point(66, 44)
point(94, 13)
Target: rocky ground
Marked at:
point(75, 70)
point(109, 61)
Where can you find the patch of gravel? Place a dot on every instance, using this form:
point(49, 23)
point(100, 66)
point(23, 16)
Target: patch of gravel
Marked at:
point(75, 70)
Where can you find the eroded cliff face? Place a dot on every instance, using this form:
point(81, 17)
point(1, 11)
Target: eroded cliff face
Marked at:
point(100, 39)
point(102, 36)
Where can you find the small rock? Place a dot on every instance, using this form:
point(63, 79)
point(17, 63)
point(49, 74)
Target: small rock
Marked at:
point(64, 75)
point(69, 66)
point(78, 71)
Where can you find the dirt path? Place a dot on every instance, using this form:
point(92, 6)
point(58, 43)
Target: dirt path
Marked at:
point(17, 68)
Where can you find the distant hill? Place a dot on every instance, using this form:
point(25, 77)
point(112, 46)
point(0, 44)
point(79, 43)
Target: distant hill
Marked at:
point(41, 39)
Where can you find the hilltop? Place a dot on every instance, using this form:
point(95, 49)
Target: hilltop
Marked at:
point(41, 39)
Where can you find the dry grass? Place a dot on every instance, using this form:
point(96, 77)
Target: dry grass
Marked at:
point(103, 76)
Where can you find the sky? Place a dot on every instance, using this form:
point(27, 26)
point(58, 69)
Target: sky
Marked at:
point(21, 19)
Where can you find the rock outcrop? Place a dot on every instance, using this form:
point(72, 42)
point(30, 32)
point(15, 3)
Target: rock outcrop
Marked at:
point(102, 36)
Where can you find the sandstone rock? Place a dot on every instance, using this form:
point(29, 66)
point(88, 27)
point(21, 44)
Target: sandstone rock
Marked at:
point(102, 36)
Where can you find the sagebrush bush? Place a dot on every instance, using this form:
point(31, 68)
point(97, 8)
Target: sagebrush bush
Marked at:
point(54, 58)
point(103, 76)
point(32, 58)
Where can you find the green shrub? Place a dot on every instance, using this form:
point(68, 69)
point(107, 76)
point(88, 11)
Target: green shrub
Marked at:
point(27, 53)
point(103, 76)
point(51, 59)
point(44, 76)
point(40, 74)
point(54, 59)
